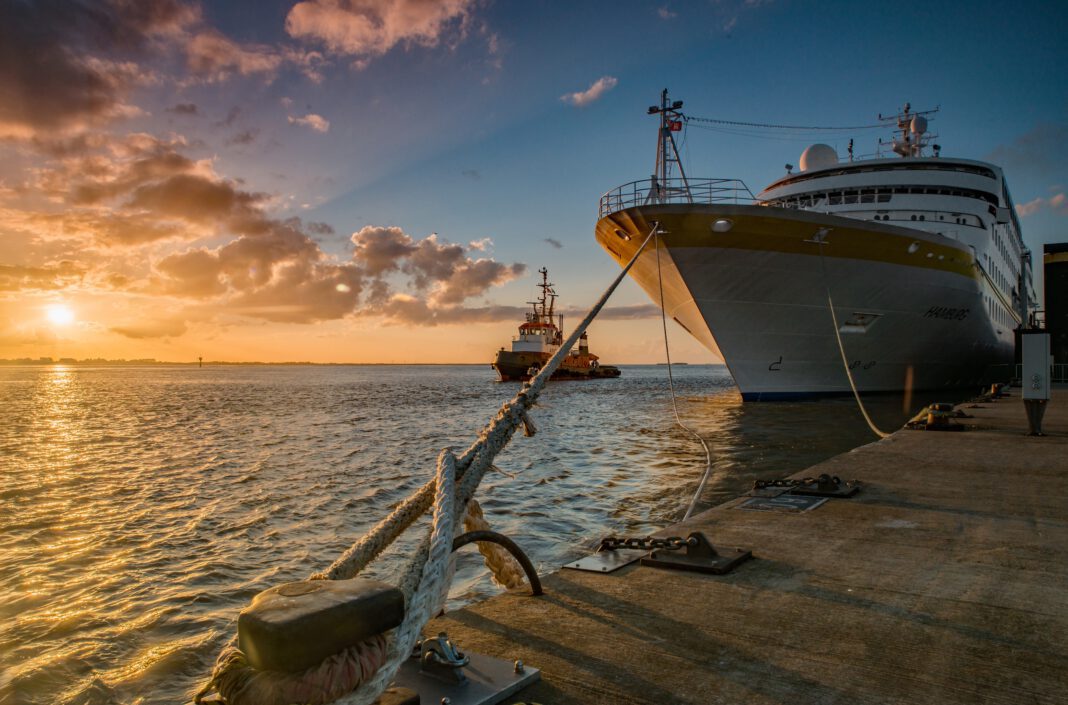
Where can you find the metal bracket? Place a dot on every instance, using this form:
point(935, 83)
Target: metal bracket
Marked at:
point(440, 658)
point(700, 556)
point(827, 486)
point(607, 561)
point(482, 680)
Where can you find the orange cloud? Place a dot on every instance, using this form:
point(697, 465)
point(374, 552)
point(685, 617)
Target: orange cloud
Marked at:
point(368, 28)
point(213, 57)
point(311, 120)
point(1058, 203)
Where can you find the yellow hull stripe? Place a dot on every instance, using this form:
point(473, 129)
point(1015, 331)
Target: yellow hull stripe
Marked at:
point(769, 229)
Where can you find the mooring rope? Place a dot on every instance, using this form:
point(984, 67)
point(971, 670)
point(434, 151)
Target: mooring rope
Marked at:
point(841, 348)
point(671, 386)
point(423, 581)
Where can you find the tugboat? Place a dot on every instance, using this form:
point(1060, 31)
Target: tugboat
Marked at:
point(538, 340)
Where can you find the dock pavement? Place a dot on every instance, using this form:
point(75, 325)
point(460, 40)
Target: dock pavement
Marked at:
point(944, 580)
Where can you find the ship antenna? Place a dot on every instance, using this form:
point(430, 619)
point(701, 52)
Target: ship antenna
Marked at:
point(667, 152)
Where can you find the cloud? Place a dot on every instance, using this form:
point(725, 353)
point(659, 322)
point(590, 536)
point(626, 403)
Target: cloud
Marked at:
point(665, 13)
point(583, 98)
point(619, 313)
point(152, 329)
point(134, 190)
point(244, 137)
point(70, 65)
point(283, 275)
point(1058, 203)
point(554, 242)
point(214, 57)
point(481, 245)
point(442, 272)
point(183, 109)
point(370, 28)
point(311, 120)
point(45, 278)
point(1041, 151)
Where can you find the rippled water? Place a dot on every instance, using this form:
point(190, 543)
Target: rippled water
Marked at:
point(143, 507)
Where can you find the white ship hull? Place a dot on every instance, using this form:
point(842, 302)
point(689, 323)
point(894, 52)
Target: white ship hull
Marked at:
point(910, 304)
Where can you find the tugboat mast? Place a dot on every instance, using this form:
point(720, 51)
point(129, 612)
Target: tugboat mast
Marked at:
point(543, 307)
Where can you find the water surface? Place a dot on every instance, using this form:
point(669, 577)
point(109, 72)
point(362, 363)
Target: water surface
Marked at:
point(143, 507)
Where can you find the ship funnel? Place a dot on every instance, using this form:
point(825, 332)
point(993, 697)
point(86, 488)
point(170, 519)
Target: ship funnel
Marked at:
point(584, 344)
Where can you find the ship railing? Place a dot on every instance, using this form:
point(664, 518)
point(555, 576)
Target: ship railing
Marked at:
point(685, 191)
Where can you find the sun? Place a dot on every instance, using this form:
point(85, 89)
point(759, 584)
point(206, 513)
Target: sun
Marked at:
point(60, 315)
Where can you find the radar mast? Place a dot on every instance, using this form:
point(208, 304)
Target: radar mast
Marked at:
point(914, 135)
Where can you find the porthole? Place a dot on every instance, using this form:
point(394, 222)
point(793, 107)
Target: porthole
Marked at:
point(930, 255)
point(913, 248)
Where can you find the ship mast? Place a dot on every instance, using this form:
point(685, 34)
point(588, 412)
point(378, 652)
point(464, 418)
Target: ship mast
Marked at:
point(543, 307)
point(667, 152)
point(914, 134)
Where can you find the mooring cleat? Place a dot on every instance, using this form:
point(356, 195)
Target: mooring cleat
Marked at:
point(698, 555)
point(826, 486)
point(440, 658)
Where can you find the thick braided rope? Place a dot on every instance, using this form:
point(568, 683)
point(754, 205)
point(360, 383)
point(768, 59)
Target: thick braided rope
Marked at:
point(427, 595)
point(505, 569)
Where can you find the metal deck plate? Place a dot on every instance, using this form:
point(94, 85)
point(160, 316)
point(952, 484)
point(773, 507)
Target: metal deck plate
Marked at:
point(782, 503)
point(489, 681)
point(607, 561)
point(843, 491)
point(726, 560)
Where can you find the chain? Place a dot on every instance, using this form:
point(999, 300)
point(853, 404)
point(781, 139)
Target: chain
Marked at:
point(645, 543)
point(806, 482)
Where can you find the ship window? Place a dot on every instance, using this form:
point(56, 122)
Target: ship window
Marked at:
point(923, 217)
point(867, 198)
point(884, 197)
point(851, 199)
point(835, 200)
point(913, 216)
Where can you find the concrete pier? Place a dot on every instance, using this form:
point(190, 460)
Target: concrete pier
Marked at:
point(945, 580)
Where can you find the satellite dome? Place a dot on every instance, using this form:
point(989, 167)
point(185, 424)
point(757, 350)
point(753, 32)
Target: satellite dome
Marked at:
point(919, 125)
point(818, 156)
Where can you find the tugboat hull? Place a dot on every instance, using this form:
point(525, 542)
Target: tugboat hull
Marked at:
point(521, 366)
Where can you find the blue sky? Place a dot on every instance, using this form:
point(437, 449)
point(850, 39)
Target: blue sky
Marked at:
point(448, 118)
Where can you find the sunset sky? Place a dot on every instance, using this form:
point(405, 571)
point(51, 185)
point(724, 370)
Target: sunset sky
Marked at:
point(373, 181)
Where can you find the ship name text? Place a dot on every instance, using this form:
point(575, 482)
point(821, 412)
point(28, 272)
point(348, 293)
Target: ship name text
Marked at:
point(947, 313)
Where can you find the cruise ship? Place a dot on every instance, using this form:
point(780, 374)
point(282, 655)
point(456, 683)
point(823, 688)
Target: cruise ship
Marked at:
point(905, 272)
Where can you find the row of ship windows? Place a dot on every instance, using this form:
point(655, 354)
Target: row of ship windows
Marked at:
point(957, 218)
point(882, 195)
point(998, 312)
point(910, 166)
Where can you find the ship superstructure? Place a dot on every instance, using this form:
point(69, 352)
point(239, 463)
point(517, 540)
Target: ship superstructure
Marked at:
point(921, 255)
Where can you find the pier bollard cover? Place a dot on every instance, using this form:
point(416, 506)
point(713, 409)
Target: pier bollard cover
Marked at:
point(295, 626)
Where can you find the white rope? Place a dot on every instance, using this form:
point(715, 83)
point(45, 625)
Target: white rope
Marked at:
point(841, 349)
point(671, 386)
point(425, 600)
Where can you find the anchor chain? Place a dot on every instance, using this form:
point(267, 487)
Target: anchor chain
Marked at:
point(805, 482)
point(645, 543)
